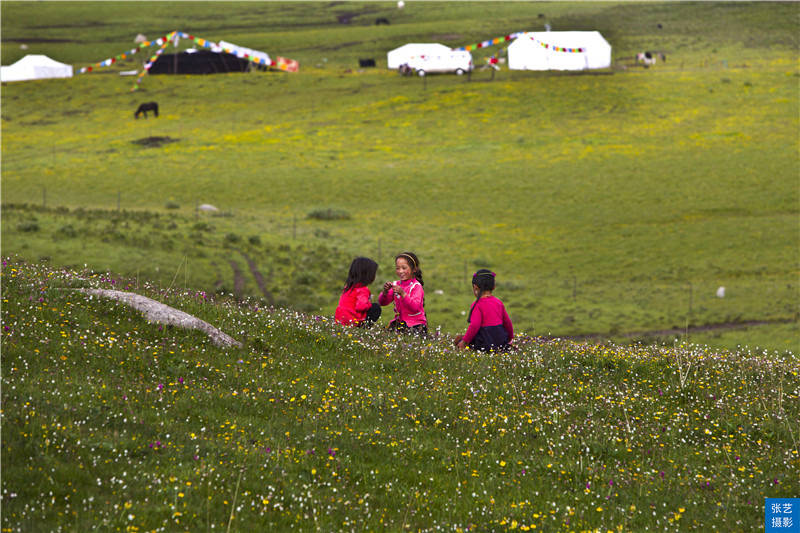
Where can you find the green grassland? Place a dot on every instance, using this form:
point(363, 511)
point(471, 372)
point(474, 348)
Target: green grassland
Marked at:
point(115, 424)
point(611, 203)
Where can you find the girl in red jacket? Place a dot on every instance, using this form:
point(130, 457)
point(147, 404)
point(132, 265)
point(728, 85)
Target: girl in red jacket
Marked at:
point(355, 304)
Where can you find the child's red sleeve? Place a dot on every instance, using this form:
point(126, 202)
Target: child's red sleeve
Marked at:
point(363, 301)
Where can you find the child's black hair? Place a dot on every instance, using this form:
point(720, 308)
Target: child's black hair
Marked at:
point(413, 262)
point(484, 280)
point(362, 271)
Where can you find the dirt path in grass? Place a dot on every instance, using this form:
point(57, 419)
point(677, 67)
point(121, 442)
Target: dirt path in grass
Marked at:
point(724, 326)
point(238, 279)
point(259, 279)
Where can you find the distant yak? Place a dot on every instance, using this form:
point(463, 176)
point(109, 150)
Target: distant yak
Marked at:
point(649, 58)
point(368, 62)
point(381, 20)
point(145, 107)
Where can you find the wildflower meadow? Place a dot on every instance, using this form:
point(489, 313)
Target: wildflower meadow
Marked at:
point(112, 423)
point(641, 219)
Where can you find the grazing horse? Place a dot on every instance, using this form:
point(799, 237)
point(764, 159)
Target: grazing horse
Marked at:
point(145, 107)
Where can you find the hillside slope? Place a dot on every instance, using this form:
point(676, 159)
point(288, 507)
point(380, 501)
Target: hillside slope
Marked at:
point(110, 422)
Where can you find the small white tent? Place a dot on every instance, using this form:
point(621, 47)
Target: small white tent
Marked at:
point(404, 54)
point(559, 50)
point(35, 67)
point(241, 51)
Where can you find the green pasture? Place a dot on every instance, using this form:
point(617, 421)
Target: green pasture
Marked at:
point(609, 203)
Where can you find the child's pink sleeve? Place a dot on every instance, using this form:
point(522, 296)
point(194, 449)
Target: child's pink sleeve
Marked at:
point(413, 300)
point(385, 298)
point(475, 323)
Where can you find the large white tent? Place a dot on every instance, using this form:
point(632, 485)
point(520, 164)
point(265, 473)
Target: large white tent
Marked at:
point(402, 55)
point(559, 50)
point(35, 67)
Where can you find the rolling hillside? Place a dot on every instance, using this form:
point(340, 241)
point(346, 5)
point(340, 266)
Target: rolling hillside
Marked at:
point(110, 422)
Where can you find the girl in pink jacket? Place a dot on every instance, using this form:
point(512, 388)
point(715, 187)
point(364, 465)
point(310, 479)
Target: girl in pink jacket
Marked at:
point(408, 296)
point(490, 327)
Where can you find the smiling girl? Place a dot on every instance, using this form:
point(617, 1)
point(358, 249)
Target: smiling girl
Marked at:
point(408, 296)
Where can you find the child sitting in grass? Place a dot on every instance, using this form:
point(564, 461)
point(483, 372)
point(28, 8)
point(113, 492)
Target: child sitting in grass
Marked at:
point(408, 296)
point(355, 304)
point(490, 327)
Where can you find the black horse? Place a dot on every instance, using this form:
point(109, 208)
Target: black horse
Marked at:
point(145, 107)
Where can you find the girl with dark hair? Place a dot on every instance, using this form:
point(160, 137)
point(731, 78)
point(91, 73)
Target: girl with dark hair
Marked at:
point(408, 296)
point(355, 304)
point(490, 327)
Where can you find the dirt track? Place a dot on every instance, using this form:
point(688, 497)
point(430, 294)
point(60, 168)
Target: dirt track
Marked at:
point(238, 279)
point(675, 331)
point(259, 278)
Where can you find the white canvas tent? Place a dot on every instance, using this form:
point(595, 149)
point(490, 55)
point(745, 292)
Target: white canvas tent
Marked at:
point(558, 50)
point(241, 51)
point(404, 54)
point(35, 67)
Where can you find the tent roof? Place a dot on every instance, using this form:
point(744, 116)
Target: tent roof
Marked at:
point(38, 60)
point(35, 67)
point(199, 62)
point(566, 39)
point(241, 51)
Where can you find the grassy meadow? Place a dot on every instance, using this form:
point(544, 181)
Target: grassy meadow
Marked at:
point(111, 423)
point(611, 204)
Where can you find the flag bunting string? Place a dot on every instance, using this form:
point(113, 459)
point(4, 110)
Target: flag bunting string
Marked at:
point(164, 43)
point(125, 55)
point(281, 63)
point(512, 36)
point(490, 42)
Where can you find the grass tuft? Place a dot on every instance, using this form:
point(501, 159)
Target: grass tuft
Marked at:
point(329, 214)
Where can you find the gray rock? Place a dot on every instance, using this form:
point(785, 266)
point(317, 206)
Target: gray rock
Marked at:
point(163, 314)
